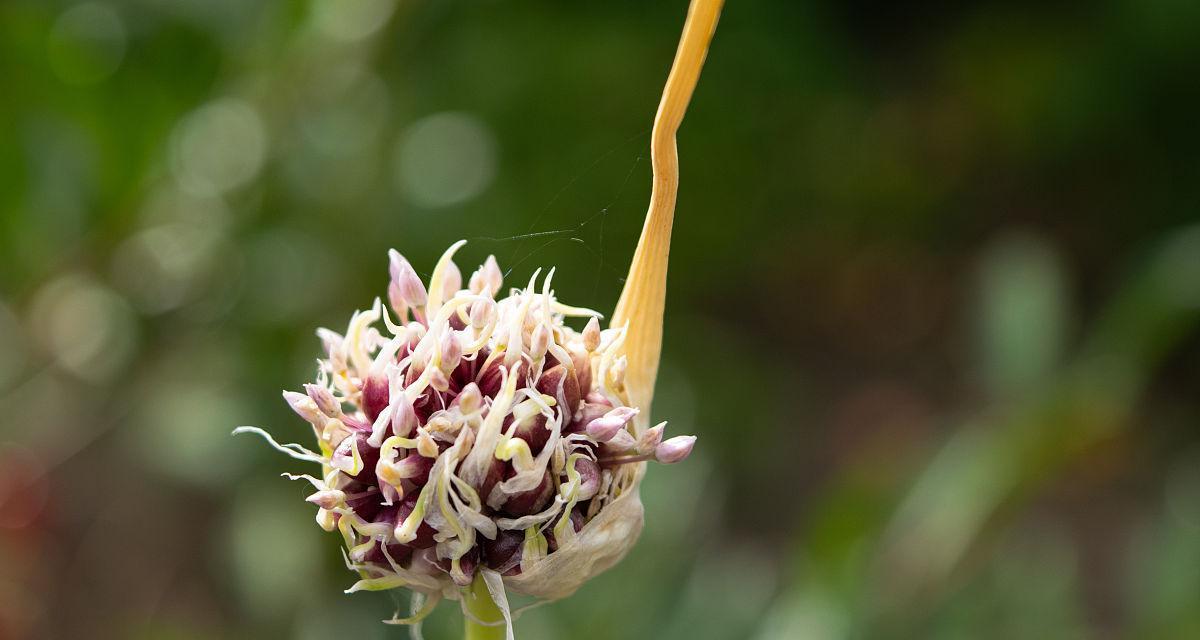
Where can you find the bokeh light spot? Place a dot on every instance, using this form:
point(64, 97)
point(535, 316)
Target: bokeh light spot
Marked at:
point(445, 159)
point(183, 432)
point(158, 267)
point(218, 147)
point(88, 329)
point(344, 111)
point(86, 44)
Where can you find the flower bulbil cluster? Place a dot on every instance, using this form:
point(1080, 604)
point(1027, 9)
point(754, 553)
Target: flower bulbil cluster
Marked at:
point(461, 431)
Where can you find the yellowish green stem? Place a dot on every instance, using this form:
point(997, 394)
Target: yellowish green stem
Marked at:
point(480, 604)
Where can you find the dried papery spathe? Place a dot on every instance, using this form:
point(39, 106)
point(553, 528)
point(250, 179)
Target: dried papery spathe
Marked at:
point(599, 545)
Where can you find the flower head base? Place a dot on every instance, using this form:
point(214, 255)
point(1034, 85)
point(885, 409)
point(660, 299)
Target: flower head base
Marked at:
point(459, 433)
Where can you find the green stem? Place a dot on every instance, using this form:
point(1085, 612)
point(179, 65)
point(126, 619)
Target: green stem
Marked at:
point(479, 603)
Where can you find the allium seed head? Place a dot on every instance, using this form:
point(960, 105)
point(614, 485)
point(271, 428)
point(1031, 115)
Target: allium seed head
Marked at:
point(469, 433)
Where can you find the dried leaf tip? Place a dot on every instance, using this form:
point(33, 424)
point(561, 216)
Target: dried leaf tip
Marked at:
point(642, 301)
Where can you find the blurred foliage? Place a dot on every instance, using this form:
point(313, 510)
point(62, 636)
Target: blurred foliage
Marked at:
point(933, 303)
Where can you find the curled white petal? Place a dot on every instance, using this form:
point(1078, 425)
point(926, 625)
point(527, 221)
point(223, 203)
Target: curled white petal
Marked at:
point(293, 450)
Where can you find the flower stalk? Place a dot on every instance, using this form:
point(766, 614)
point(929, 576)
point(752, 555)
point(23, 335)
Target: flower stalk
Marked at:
point(485, 620)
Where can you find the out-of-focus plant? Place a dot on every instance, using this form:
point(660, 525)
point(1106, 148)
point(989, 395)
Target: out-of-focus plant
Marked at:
point(892, 573)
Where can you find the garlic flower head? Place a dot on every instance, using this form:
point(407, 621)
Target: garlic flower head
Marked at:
point(459, 431)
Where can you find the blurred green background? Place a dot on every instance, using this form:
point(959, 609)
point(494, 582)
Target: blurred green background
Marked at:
point(933, 301)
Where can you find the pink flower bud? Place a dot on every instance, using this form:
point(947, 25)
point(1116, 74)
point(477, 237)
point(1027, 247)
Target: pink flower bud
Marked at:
point(588, 411)
point(589, 478)
point(327, 499)
point(408, 283)
point(483, 312)
point(675, 449)
point(324, 400)
point(605, 427)
point(396, 300)
point(404, 417)
point(487, 279)
point(503, 395)
point(450, 351)
point(304, 407)
point(451, 280)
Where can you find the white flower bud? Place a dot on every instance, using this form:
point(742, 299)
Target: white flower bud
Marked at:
point(651, 438)
point(591, 335)
point(487, 279)
point(675, 449)
point(438, 381)
point(426, 446)
point(404, 417)
point(451, 281)
point(539, 343)
point(483, 313)
point(450, 351)
point(621, 442)
point(469, 399)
